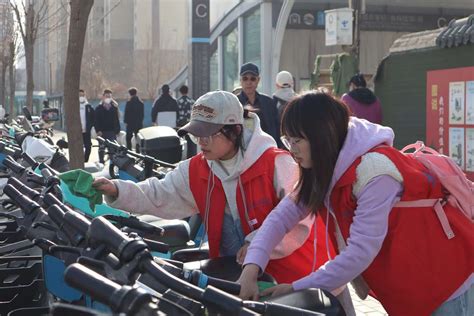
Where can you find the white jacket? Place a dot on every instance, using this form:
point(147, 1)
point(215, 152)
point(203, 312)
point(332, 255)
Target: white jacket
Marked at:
point(171, 197)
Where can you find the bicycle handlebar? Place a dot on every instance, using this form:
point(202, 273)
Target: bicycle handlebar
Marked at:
point(119, 298)
point(13, 165)
point(149, 159)
point(29, 160)
point(134, 222)
point(23, 202)
point(26, 190)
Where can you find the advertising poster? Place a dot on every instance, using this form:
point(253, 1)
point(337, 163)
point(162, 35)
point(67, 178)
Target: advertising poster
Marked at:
point(456, 102)
point(470, 102)
point(470, 149)
point(456, 145)
point(450, 115)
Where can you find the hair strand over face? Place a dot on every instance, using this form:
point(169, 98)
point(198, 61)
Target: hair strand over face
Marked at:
point(323, 121)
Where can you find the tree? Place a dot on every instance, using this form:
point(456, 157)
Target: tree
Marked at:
point(93, 75)
point(7, 34)
point(80, 10)
point(13, 53)
point(34, 13)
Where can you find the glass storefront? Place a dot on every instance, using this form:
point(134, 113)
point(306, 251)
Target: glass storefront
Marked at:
point(252, 38)
point(231, 60)
point(214, 71)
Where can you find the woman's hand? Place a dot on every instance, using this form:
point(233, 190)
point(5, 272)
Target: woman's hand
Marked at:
point(240, 257)
point(106, 187)
point(277, 290)
point(248, 282)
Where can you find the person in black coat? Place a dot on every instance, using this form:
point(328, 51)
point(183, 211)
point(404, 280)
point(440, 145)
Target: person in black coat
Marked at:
point(165, 104)
point(264, 105)
point(107, 124)
point(133, 117)
point(87, 115)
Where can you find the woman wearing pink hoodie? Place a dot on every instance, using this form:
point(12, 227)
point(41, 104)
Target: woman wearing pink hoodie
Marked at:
point(352, 177)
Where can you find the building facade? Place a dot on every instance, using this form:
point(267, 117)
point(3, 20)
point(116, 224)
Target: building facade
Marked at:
point(289, 34)
point(140, 43)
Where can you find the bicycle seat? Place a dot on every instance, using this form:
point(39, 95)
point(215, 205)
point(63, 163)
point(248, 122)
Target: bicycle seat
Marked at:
point(177, 232)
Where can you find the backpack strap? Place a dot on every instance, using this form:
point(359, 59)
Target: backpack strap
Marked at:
point(437, 205)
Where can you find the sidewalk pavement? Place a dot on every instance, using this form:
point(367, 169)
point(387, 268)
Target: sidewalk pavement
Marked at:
point(368, 307)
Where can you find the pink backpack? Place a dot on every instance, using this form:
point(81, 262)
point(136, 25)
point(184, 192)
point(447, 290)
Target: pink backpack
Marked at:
point(460, 190)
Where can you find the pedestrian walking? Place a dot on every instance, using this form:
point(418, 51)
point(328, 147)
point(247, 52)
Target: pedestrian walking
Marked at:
point(165, 109)
point(284, 91)
point(107, 124)
point(185, 104)
point(133, 116)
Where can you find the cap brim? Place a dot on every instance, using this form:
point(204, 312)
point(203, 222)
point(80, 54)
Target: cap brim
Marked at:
point(249, 72)
point(200, 128)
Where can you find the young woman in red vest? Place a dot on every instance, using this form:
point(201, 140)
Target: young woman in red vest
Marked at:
point(234, 183)
point(352, 177)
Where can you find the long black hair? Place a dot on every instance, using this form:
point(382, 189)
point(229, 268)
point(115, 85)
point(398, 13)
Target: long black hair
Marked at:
point(323, 121)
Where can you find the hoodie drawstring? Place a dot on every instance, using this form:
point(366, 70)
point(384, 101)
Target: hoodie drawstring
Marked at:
point(247, 218)
point(315, 242)
point(210, 188)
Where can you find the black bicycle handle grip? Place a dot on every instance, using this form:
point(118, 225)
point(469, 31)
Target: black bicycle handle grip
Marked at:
point(154, 245)
point(90, 282)
point(101, 231)
point(50, 199)
point(202, 280)
point(76, 221)
point(121, 299)
point(13, 165)
point(9, 151)
point(23, 202)
point(46, 173)
point(134, 222)
point(56, 214)
point(29, 160)
point(24, 189)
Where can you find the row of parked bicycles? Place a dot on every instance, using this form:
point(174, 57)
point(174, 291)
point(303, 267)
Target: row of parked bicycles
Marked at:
point(62, 255)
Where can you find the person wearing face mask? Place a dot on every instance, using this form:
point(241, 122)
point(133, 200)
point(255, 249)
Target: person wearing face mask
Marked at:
point(107, 124)
point(87, 115)
point(233, 183)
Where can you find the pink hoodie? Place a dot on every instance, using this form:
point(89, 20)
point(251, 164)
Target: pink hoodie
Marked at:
point(368, 229)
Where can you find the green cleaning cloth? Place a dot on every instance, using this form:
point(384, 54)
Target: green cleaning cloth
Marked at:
point(262, 285)
point(79, 183)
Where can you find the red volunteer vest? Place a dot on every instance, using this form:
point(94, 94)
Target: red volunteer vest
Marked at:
point(261, 198)
point(417, 268)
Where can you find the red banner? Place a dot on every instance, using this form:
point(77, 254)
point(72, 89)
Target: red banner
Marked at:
point(450, 115)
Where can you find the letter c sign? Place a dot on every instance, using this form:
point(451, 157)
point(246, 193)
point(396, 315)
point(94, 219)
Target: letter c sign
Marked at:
point(201, 10)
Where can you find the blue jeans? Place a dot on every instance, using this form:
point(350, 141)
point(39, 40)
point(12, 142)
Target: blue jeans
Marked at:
point(462, 305)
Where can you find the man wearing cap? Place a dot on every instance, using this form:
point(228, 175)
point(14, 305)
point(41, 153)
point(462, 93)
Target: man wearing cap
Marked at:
point(234, 183)
point(165, 109)
point(284, 91)
point(263, 104)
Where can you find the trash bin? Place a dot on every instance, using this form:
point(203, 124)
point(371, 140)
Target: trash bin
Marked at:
point(161, 142)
